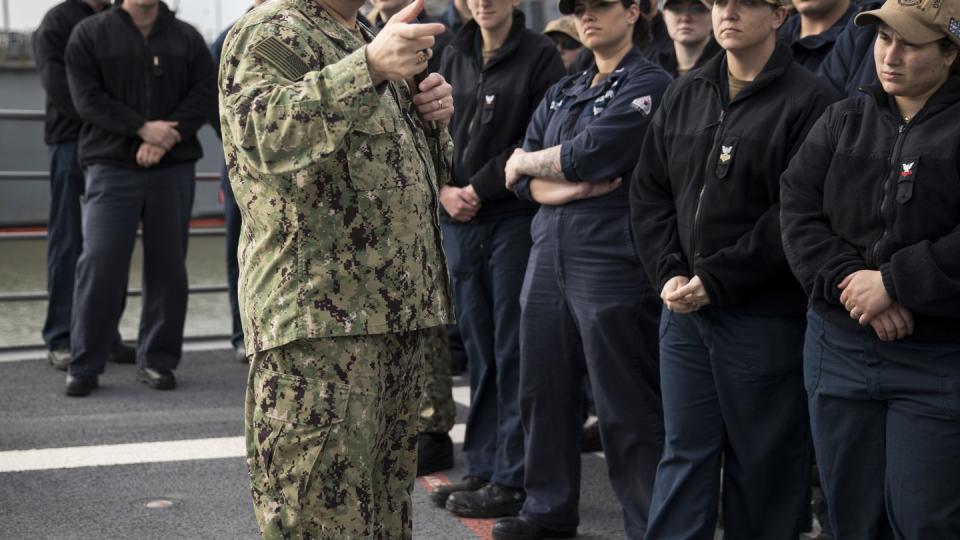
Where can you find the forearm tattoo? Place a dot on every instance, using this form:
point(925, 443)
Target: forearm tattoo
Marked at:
point(543, 163)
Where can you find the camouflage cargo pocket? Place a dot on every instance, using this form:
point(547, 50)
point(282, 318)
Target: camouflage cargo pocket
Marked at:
point(291, 421)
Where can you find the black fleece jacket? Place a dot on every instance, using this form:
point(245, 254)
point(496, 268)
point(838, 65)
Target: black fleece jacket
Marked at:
point(492, 107)
point(62, 123)
point(119, 80)
point(866, 191)
point(705, 195)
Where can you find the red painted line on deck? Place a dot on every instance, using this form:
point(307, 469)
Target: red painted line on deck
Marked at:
point(483, 528)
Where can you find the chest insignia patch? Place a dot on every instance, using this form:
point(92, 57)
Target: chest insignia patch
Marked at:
point(555, 105)
point(906, 169)
point(726, 153)
point(489, 99)
point(643, 104)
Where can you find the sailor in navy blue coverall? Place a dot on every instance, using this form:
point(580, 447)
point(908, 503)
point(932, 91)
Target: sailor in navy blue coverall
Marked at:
point(587, 306)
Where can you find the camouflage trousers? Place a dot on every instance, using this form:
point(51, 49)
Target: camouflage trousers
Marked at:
point(438, 412)
point(331, 435)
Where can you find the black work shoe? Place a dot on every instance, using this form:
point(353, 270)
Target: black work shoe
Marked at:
point(123, 354)
point(490, 501)
point(442, 493)
point(157, 378)
point(80, 385)
point(521, 528)
point(59, 358)
point(434, 453)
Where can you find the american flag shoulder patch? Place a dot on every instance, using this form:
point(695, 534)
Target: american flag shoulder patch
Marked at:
point(273, 51)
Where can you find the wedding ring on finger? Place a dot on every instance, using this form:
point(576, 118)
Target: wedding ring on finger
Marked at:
point(422, 56)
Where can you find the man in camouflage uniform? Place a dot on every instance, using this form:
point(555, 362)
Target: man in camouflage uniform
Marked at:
point(341, 271)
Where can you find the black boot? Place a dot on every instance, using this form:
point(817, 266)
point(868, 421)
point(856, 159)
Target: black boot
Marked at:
point(80, 385)
point(434, 453)
point(490, 501)
point(442, 493)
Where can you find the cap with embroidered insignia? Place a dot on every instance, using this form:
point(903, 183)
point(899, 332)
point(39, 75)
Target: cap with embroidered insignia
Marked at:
point(918, 21)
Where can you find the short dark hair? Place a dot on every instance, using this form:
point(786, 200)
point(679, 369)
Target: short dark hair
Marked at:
point(946, 47)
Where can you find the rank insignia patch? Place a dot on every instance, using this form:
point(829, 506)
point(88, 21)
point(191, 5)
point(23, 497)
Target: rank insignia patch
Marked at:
point(906, 169)
point(726, 152)
point(642, 104)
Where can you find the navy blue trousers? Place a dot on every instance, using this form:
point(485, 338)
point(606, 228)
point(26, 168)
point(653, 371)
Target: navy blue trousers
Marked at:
point(588, 308)
point(487, 262)
point(231, 214)
point(886, 427)
point(116, 201)
point(64, 240)
point(733, 400)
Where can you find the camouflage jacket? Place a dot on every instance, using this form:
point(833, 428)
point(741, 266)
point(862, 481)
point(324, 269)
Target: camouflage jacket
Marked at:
point(336, 181)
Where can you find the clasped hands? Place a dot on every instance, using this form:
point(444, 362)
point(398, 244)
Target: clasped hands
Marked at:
point(158, 136)
point(684, 295)
point(461, 203)
point(867, 301)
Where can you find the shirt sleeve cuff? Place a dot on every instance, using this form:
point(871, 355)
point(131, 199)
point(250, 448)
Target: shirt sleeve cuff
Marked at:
point(568, 163)
point(886, 274)
point(135, 125)
point(667, 276)
point(711, 287)
point(522, 189)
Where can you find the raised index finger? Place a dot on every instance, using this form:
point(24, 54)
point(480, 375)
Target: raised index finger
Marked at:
point(414, 31)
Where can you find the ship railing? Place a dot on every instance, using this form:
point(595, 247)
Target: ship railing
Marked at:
point(42, 296)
